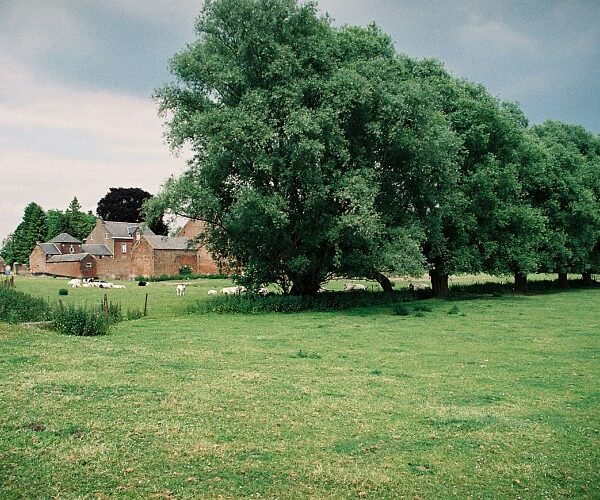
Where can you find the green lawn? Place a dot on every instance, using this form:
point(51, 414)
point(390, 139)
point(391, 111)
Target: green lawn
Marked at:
point(499, 400)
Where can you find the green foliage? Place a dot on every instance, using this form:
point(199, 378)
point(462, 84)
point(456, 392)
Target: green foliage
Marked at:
point(77, 223)
point(330, 301)
point(125, 204)
point(63, 291)
point(80, 321)
point(454, 310)
point(401, 310)
point(18, 246)
point(179, 277)
point(18, 307)
point(185, 271)
point(564, 184)
point(423, 308)
point(289, 120)
point(89, 321)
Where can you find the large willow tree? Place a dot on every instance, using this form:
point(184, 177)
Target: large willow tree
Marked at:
point(292, 123)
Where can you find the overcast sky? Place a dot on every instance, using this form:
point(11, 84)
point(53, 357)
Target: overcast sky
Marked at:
point(76, 78)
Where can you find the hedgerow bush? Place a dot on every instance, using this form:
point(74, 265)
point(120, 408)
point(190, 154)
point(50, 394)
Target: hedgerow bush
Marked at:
point(329, 301)
point(88, 321)
point(81, 321)
point(179, 277)
point(19, 307)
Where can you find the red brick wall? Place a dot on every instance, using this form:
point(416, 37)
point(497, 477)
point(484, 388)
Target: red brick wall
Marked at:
point(37, 261)
point(73, 269)
point(143, 259)
point(169, 261)
point(204, 261)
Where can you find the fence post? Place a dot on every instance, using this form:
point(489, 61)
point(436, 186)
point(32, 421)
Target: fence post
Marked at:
point(146, 306)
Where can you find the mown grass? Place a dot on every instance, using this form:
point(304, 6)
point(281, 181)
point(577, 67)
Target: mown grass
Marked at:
point(500, 400)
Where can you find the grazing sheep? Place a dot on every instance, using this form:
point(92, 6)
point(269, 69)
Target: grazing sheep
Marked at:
point(86, 285)
point(233, 290)
point(180, 290)
point(120, 287)
point(418, 286)
point(212, 292)
point(142, 283)
point(263, 291)
point(354, 287)
point(74, 283)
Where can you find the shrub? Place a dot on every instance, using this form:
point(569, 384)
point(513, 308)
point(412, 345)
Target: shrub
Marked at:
point(73, 320)
point(454, 310)
point(185, 270)
point(401, 310)
point(330, 301)
point(18, 307)
point(179, 277)
point(63, 291)
point(423, 308)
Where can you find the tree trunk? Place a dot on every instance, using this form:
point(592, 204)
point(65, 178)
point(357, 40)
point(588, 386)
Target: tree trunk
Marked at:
point(304, 286)
point(587, 279)
point(521, 284)
point(439, 284)
point(383, 281)
point(563, 280)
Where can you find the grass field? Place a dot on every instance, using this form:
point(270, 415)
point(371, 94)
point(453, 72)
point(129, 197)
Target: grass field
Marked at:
point(501, 399)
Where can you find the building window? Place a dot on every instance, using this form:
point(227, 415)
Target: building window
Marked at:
point(137, 236)
point(91, 237)
point(106, 236)
point(71, 249)
point(88, 265)
point(123, 247)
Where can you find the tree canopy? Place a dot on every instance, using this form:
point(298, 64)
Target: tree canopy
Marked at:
point(320, 151)
point(125, 204)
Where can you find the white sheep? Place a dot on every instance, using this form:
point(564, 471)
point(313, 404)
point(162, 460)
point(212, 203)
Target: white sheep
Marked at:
point(233, 290)
point(212, 292)
point(120, 287)
point(180, 290)
point(354, 287)
point(74, 283)
point(263, 291)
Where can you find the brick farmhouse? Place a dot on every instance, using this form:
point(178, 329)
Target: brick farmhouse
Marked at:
point(122, 250)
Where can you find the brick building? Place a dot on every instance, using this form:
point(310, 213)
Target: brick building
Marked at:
point(120, 250)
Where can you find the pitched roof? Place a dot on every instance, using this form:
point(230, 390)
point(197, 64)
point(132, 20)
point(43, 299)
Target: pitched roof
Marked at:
point(169, 243)
point(125, 229)
point(64, 238)
point(96, 249)
point(69, 257)
point(49, 248)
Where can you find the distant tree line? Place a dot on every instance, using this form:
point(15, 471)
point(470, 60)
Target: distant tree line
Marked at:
point(119, 204)
point(320, 151)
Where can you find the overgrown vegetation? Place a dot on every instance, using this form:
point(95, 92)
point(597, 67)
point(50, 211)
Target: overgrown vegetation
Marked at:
point(70, 319)
point(329, 301)
point(182, 276)
point(18, 307)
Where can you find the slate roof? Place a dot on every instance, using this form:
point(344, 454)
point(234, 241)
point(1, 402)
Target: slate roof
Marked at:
point(125, 229)
point(96, 250)
point(69, 257)
point(168, 243)
point(64, 238)
point(49, 249)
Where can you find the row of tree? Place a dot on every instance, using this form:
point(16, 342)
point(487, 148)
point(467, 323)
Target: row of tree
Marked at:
point(119, 204)
point(38, 225)
point(321, 151)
